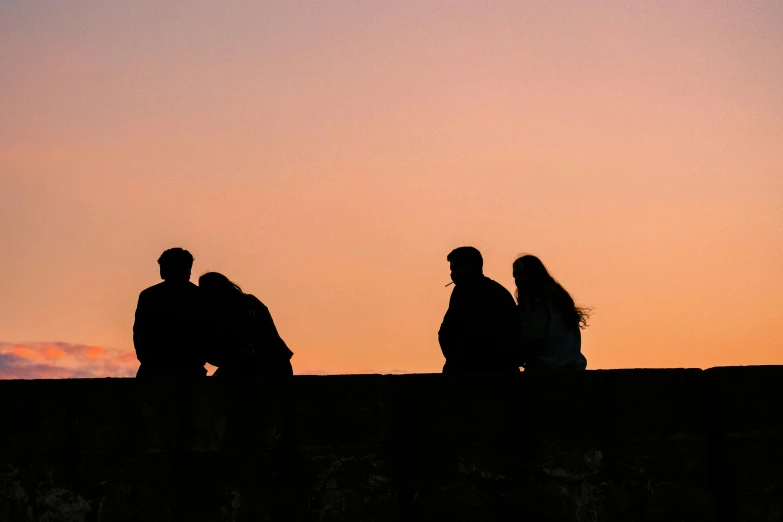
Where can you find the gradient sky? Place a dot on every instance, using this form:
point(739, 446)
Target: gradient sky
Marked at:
point(328, 155)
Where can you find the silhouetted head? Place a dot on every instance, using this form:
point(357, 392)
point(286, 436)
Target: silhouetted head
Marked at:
point(218, 287)
point(530, 272)
point(536, 285)
point(175, 264)
point(466, 264)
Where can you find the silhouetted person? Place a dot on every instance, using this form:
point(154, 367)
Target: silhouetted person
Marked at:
point(243, 338)
point(168, 331)
point(480, 332)
point(550, 321)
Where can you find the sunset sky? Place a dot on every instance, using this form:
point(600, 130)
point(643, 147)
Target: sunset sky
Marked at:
point(328, 155)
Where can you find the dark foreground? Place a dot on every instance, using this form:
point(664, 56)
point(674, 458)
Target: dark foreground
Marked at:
point(619, 445)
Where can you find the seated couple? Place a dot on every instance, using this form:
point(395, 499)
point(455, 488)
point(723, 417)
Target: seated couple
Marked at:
point(485, 331)
point(180, 326)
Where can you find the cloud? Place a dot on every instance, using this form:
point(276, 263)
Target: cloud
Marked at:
point(60, 360)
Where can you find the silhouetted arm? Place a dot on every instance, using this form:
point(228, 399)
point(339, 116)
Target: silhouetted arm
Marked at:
point(216, 350)
point(141, 330)
point(450, 335)
point(511, 343)
point(270, 332)
point(266, 332)
point(533, 322)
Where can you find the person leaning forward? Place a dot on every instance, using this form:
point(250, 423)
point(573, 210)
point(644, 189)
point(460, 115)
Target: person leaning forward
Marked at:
point(243, 338)
point(480, 332)
point(167, 332)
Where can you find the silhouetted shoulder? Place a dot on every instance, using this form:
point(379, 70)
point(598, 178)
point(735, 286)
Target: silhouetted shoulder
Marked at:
point(497, 288)
point(254, 303)
point(153, 290)
point(193, 289)
point(166, 287)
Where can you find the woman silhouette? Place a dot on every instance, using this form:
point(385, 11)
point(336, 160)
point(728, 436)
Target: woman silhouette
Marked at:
point(243, 338)
point(551, 322)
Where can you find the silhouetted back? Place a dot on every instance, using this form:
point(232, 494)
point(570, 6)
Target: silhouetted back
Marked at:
point(272, 354)
point(243, 338)
point(168, 331)
point(550, 321)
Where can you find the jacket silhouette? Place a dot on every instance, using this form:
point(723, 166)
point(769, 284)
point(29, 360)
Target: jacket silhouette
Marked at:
point(551, 323)
point(551, 342)
point(249, 343)
point(480, 332)
point(168, 330)
point(243, 339)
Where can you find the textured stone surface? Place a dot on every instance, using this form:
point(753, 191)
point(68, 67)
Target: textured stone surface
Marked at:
point(622, 445)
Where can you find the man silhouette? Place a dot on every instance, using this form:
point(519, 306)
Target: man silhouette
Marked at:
point(167, 332)
point(480, 332)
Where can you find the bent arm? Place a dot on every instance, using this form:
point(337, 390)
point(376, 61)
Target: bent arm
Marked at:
point(266, 332)
point(533, 322)
point(271, 333)
point(507, 333)
point(141, 331)
point(451, 335)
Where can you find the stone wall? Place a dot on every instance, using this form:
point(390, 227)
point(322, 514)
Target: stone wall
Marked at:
point(616, 445)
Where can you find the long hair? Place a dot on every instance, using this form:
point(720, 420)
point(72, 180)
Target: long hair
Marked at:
point(541, 287)
point(217, 284)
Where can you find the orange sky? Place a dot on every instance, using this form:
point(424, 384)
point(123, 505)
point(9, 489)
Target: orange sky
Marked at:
point(327, 156)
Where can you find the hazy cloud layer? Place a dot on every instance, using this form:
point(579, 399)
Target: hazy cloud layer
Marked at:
point(59, 360)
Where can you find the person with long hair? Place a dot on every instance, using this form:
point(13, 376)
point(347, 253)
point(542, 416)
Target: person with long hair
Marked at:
point(243, 339)
point(551, 322)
